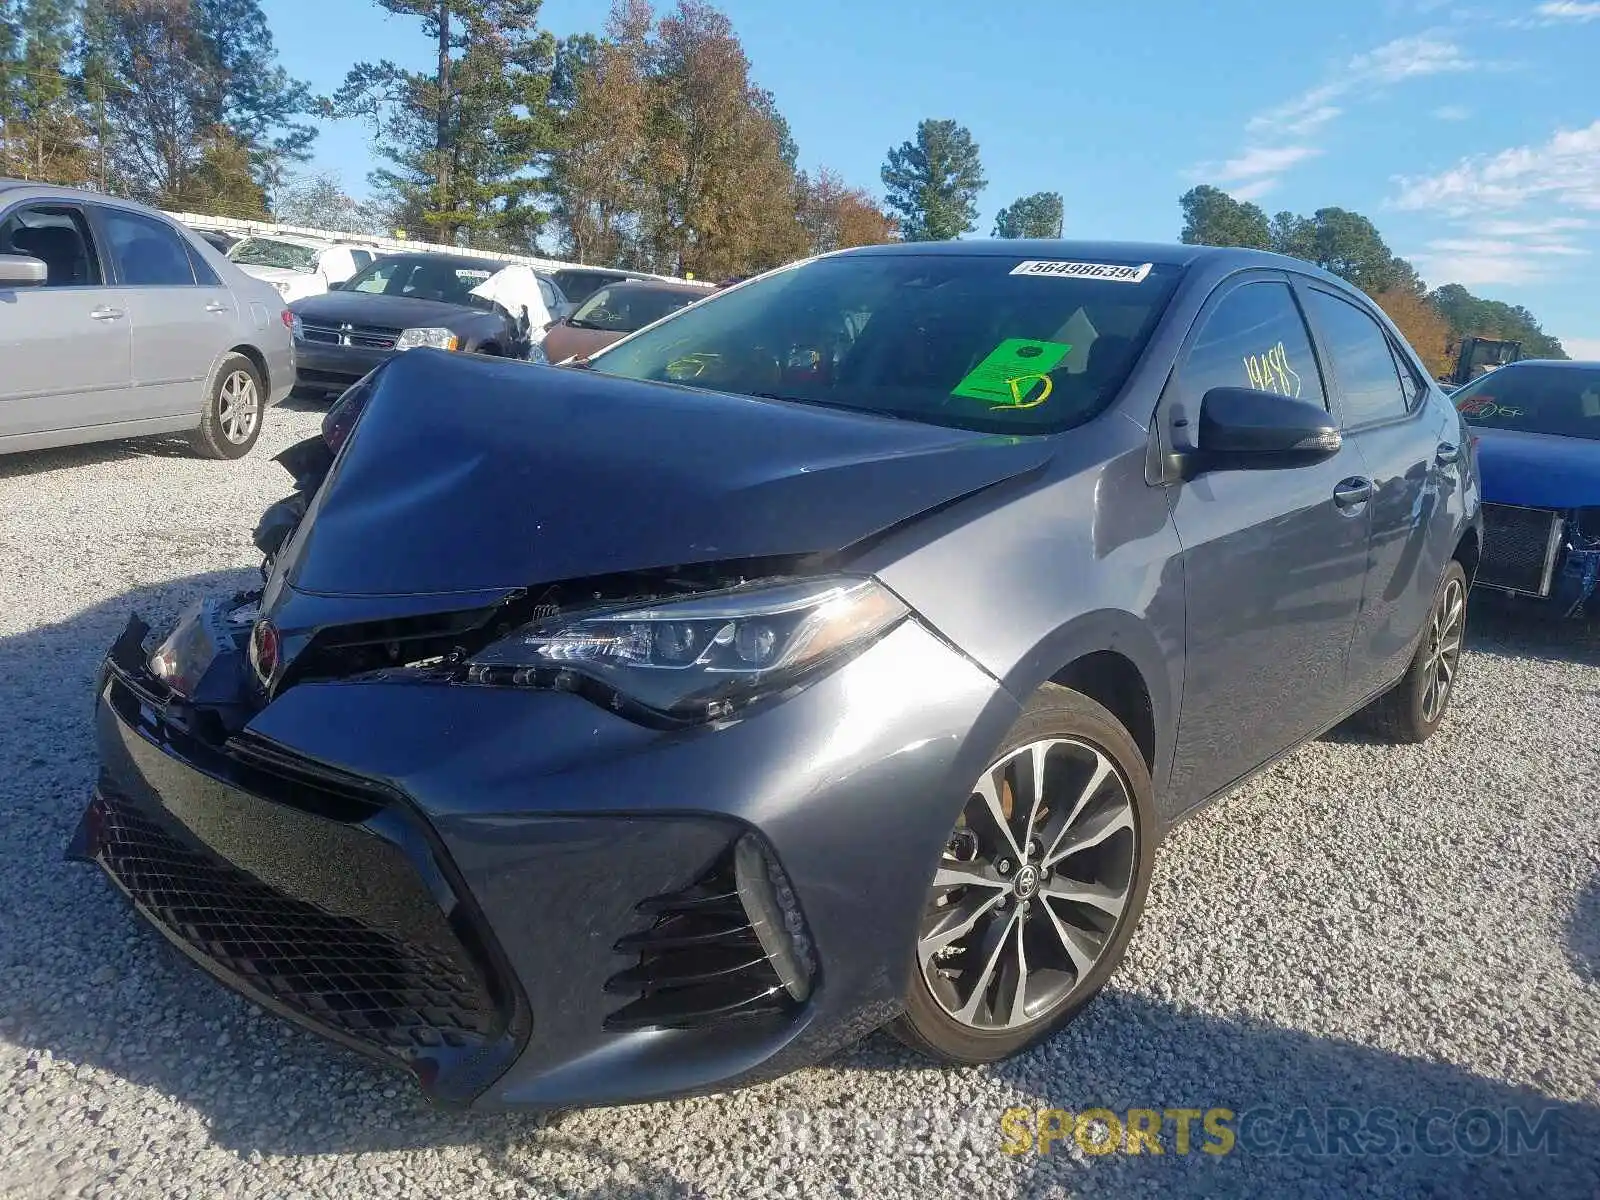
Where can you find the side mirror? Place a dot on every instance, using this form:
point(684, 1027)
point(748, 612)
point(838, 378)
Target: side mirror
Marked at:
point(1242, 429)
point(335, 285)
point(22, 270)
point(549, 325)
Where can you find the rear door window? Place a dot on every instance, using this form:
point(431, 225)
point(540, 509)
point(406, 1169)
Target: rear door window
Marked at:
point(1362, 359)
point(58, 235)
point(1254, 338)
point(148, 253)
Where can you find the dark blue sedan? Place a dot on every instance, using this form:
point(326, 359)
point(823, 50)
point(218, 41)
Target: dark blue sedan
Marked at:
point(1537, 425)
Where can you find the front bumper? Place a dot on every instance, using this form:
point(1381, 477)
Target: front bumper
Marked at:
point(334, 368)
point(1540, 558)
point(521, 839)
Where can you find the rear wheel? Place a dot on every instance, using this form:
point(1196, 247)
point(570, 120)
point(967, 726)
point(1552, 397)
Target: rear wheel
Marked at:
point(1038, 888)
point(1414, 708)
point(231, 421)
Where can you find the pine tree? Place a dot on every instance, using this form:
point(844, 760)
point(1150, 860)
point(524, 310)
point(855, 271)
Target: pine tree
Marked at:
point(464, 141)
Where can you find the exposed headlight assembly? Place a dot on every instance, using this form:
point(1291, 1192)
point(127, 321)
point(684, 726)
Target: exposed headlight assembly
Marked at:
point(703, 657)
point(432, 335)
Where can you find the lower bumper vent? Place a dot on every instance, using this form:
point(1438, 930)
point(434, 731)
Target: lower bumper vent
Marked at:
point(733, 944)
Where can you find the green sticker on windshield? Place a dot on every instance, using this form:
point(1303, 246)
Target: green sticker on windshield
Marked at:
point(1015, 374)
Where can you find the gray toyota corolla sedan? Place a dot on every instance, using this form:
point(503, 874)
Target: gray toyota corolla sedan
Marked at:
point(832, 654)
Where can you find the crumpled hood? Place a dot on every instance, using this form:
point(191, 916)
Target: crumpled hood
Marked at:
point(393, 312)
point(1538, 470)
point(470, 474)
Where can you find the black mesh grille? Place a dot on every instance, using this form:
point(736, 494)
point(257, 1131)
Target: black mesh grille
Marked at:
point(699, 962)
point(403, 998)
point(1516, 543)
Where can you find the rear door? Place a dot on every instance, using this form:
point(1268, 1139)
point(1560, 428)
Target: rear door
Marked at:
point(182, 321)
point(66, 347)
point(1410, 455)
point(1273, 559)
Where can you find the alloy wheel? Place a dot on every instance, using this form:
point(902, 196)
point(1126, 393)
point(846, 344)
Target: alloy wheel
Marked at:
point(1443, 649)
point(238, 407)
point(1032, 885)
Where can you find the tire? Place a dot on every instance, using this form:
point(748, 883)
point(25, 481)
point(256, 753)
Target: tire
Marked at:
point(1083, 740)
point(1406, 713)
point(231, 421)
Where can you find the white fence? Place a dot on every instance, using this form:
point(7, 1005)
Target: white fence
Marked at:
point(243, 228)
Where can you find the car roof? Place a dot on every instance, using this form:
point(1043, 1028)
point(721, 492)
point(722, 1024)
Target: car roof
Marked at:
point(293, 239)
point(454, 260)
point(657, 285)
point(1562, 363)
point(1173, 254)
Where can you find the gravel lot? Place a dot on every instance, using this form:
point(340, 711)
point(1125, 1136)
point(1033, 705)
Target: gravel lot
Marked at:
point(1416, 929)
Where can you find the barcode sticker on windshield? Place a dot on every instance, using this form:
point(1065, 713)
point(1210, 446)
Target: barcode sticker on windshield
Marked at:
point(1109, 272)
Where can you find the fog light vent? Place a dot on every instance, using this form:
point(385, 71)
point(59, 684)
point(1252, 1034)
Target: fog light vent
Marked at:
point(732, 944)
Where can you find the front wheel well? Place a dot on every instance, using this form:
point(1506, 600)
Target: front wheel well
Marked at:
point(1112, 681)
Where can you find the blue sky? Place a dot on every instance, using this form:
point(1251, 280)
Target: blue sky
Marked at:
point(1469, 132)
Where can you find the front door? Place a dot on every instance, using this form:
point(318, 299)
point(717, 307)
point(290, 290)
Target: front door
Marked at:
point(65, 347)
point(1274, 560)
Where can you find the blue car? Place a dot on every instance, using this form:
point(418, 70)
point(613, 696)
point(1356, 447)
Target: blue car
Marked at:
point(1537, 428)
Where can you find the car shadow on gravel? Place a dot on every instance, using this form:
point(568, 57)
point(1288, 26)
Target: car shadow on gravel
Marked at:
point(62, 458)
point(1416, 1127)
point(87, 992)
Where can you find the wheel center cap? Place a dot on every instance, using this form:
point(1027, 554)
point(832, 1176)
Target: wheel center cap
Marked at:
point(1026, 882)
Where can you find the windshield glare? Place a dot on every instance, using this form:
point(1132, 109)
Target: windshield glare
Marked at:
point(944, 339)
point(425, 278)
point(1564, 401)
point(624, 309)
point(269, 252)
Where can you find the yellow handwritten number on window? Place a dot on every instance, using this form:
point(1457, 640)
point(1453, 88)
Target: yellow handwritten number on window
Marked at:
point(1271, 372)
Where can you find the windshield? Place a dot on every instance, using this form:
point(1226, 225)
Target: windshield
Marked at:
point(979, 342)
point(425, 278)
point(1561, 400)
point(624, 309)
point(269, 252)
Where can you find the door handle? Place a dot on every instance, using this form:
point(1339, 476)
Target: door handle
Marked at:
point(107, 314)
point(217, 307)
point(1352, 492)
point(1447, 454)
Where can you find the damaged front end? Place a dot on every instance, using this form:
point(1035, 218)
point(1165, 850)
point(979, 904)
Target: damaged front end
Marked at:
point(1547, 556)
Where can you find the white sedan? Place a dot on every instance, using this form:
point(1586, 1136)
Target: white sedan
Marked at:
point(299, 267)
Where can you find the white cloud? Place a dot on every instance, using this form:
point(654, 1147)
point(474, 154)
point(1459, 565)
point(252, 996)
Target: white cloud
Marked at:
point(1452, 112)
point(1551, 227)
point(1472, 269)
point(1279, 136)
point(1561, 11)
point(1587, 348)
point(1253, 190)
point(1501, 248)
point(1564, 170)
point(1407, 58)
point(1265, 161)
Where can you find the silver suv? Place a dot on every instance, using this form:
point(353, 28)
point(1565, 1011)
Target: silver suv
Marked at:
point(116, 321)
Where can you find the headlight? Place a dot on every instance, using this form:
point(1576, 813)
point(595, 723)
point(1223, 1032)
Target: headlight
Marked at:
point(702, 657)
point(297, 329)
point(282, 285)
point(432, 335)
point(537, 355)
